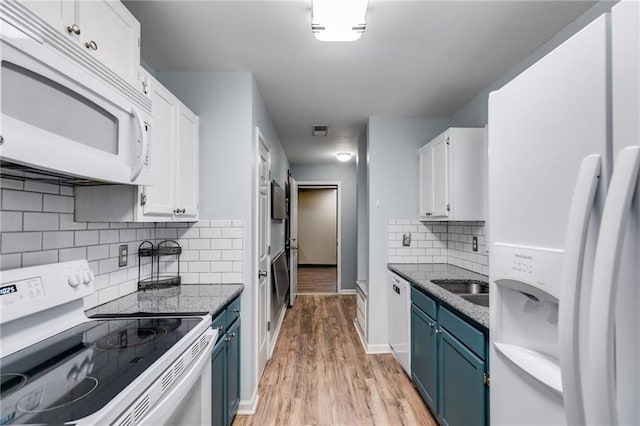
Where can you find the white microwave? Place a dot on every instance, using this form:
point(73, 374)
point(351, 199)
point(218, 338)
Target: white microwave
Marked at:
point(69, 118)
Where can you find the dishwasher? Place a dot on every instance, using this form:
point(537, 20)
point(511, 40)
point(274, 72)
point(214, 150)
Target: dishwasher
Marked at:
point(399, 304)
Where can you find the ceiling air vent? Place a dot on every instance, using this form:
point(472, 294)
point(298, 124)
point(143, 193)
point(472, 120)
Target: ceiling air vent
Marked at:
point(319, 130)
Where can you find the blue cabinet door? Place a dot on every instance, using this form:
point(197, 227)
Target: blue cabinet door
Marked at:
point(424, 356)
point(462, 389)
point(219, 383)
point(233, 370)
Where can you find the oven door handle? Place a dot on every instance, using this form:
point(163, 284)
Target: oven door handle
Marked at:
point(135, 172)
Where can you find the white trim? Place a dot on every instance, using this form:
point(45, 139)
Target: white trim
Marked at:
point(359, 333)
point(382, 348)
point(249, 407)
point(326, 184)
point(276, 331)
point(348, 291)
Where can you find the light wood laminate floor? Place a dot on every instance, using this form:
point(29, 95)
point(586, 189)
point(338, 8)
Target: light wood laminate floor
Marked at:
point(320, 375)
point(317, 279)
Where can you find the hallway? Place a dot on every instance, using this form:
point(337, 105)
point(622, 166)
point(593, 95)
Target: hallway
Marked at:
point(319, 374)
point(317, 279)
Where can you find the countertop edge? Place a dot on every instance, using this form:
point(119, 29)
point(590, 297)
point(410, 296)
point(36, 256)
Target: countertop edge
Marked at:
point(479, 315)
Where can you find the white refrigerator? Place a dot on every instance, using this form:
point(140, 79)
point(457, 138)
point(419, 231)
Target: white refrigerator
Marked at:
point(564, 211)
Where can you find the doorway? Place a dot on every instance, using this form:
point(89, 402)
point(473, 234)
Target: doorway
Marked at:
point(318, 223)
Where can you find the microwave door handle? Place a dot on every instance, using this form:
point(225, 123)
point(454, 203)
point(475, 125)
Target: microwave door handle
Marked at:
point(135, 172)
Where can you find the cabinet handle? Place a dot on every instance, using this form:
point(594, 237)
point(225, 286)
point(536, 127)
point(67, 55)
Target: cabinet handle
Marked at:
point(227, 339)
point(233, 334)
point(73, 29)
point(438, 331)
point(183, 210)
point(221, 328)
point(430, 324)
point(236, 310)
point(91, 45)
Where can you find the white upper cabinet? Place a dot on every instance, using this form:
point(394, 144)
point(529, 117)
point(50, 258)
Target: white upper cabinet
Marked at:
point(173, 197)
point(104, 28)
point(453, 176)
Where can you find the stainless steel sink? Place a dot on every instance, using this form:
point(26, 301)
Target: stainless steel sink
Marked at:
point(463, 286)
point(478, 299)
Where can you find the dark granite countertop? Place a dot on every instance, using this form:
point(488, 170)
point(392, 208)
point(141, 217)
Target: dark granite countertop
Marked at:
point(421, 274)
point(186, 299)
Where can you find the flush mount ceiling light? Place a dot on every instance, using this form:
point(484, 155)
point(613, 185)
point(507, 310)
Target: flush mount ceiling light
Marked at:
point(319, 130)
point(343, 156)
point(338, 20)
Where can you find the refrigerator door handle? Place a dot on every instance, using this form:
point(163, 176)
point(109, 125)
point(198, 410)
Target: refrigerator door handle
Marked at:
point(600, 392)
point(577, 230)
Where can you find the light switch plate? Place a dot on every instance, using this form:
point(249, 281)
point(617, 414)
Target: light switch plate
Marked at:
point(474, 244)
point(406, 240)
point(123, 255)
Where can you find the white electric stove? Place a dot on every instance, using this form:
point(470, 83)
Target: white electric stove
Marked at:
point(59, 367)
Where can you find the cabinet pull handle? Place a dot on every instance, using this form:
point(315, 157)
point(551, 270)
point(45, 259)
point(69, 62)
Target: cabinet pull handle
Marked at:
point(183, 210)
point(221, 328)
point(438, 331)
point(233, 334)
point(236, 310)
point(430, 324)
point(227, 339)
point(73, 29)
point(91, 45)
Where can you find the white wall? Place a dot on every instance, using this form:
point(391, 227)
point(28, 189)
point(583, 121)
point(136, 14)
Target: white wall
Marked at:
point(393, 145)
point(346, 174)
point(317, 226)
point(362, 209)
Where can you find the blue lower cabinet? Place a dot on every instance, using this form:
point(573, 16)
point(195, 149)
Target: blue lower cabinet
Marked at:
point(233, 370)
point(449, 359)
point(225, 366)
point(462, 388)
point(424, 356)
point(219, 383)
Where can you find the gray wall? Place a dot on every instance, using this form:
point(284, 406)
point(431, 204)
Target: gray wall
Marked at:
point(475, 112)
point(362, 187)
point(230, 107)
point(393, 145)
point(345, 173)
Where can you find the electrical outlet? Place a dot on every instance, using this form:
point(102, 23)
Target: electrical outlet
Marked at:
point(474, 243)
point(406, 240)
point(123, 255)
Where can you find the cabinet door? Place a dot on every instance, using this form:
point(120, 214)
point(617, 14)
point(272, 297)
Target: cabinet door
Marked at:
point(426, 182)
point(219, 383)
point(60, 14)
point(424, 356)
point(115, 32)
point(462, 388)
point(440, 206)
point(233, 371)
point(187, 173)
point(160, 197)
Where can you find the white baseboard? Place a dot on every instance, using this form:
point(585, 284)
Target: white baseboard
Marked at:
point(276, 332)
point(364, 344)
point(383, 348)
point(248, 408)
point(348, 291)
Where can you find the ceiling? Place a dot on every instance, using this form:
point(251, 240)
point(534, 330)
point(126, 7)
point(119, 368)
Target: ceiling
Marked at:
point(415, 59)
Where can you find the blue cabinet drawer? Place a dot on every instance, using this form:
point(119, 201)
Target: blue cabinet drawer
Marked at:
point(470, 336)
point(424, 302)
point(233, 311)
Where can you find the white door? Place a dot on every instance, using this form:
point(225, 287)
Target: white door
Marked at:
point(293, 241)
point(426, 181)
point(264, 258)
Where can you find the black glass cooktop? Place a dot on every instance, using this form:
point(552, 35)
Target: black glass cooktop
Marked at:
point(77, 372)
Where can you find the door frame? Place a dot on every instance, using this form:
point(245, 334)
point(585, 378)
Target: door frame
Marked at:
point(255, 264)
point(338, 184)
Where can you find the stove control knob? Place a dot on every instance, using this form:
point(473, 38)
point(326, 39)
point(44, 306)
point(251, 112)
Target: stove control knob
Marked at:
point(74, 280)
point(87, 277)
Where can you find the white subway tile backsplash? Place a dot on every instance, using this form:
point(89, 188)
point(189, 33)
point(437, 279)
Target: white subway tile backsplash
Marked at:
point(10, 221)
point(86, 238)
point(69, 254)
point(37, 226)
point(57, 203)
point(17, 242)
point(39, 258)
point(57, 239)
point(21, 200)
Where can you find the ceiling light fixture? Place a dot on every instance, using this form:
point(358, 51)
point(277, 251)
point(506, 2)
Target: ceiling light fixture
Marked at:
point(343, 156)
point(338, 20)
